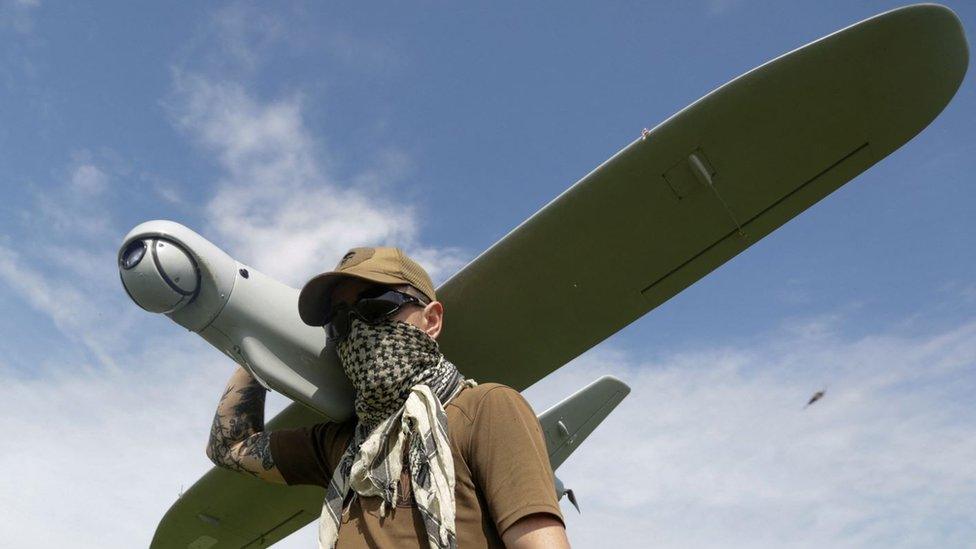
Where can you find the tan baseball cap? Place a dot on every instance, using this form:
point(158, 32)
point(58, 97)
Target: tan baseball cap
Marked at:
point(382, 265)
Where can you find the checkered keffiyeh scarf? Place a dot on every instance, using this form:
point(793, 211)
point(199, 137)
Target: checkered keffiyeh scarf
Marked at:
point(402, 384)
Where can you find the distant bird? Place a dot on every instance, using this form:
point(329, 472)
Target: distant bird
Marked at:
point(816, 396)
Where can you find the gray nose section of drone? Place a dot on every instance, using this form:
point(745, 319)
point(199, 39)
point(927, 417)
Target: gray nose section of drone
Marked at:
point(159, 275)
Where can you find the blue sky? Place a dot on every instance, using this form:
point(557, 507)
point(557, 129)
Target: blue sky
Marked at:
point(288, 133)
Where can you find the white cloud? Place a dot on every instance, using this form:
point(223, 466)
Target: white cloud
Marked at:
point(70, 216)
point(168, 192)
point(88, 179)
point(62, 260)
point(440, 263)
point(77, 305)
point(98, 455)
point(127, 428)
point(76, 209)
point(277, 206)
point(714, 448)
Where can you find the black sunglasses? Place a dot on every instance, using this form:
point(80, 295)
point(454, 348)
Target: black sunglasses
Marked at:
point(372, 306)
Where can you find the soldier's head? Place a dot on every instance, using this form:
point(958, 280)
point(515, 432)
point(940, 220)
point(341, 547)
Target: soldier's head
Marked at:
point(380, 311)
point(373, 285)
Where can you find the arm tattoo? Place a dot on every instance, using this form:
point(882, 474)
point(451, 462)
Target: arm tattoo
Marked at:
point(259, 446)
point(240, 419)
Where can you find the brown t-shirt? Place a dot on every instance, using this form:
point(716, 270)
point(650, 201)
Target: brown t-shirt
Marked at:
point(501, 471)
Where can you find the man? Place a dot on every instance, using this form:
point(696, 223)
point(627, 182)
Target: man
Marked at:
point(430, 459)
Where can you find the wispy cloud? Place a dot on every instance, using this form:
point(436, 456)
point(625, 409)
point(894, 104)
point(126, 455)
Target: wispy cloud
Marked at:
point(132, 405)
point(276, 204)
point(279, 204)
point(166, 189)
point(63, 261)
point(77, 291)
point(714, 448)
point(101, 445)
point(88, 179)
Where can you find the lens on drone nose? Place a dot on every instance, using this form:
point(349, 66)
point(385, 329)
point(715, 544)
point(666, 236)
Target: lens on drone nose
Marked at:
point(133, 254)
point(159, 275)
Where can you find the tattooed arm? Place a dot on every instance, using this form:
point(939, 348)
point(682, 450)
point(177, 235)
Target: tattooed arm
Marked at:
point(238, 440)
